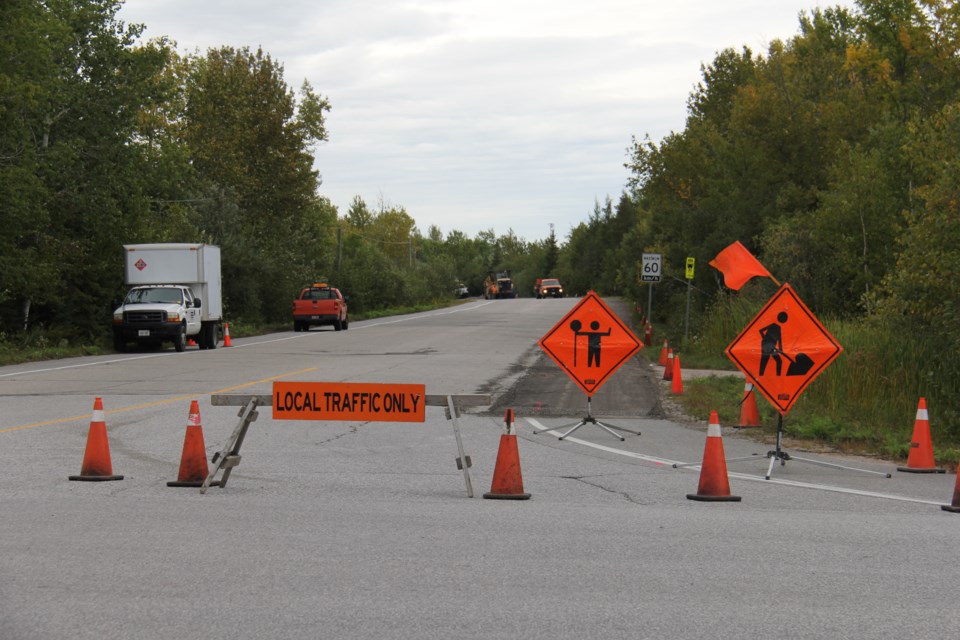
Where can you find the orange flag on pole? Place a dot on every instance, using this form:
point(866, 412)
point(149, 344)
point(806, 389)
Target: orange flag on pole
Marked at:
point(738, 265)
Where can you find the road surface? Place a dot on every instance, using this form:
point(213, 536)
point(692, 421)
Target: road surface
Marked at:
point(363, 530)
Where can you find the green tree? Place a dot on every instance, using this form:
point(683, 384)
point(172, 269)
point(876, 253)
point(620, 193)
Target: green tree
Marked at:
point(73, 159)
point(248, 132)
point(359, 215)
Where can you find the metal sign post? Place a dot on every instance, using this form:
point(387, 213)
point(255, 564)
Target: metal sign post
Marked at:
point(650, 270)
point(689, 274)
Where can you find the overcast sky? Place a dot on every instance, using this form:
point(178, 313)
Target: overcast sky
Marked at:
point(483, 114)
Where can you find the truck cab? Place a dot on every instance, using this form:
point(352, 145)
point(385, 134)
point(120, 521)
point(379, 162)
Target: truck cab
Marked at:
point(153, 314)
point(548, 288)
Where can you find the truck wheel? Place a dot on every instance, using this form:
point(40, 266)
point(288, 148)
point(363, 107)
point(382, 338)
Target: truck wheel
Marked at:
point(180, 340)
point(208, 337)
point(346, 323)
point(337, 325)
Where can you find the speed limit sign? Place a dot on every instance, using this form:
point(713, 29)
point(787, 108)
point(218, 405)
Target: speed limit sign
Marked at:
point(650, 267)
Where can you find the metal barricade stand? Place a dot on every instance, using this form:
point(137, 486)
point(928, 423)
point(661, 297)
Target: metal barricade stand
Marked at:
point(229, 457)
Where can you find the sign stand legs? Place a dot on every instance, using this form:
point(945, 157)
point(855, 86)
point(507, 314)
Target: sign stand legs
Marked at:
point(589, 419)
point(463, 461)
point(783, 456)
point(229, 457)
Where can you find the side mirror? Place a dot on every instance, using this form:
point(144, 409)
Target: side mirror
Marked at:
point(196, 302)
point(346, 298)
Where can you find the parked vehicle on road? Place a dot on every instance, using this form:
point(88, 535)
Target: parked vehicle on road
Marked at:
point(320, 305)
point(547, 288)
point(175, 296)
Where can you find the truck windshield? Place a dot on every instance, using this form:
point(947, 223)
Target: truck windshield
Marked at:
point(159, 295)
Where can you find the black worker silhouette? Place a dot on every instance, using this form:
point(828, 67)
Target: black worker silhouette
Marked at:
point(771, 346)
point(593, 341)
point(771, 343)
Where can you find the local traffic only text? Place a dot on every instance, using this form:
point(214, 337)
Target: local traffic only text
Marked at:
point(369, 402)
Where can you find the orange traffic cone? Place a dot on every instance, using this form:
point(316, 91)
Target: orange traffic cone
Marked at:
point(714, 483)
point(920, 459)
point(676, 386)
point(668, 368)
point(507, 479)
point(955, 505)
point(96, 458)
point(193, 460)
point(749, 416)
point(663, 354)
point(226, 335)
point(648, 335)
point(191, 342)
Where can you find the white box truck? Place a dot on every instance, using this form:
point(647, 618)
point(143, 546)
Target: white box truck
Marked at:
point(175, 296)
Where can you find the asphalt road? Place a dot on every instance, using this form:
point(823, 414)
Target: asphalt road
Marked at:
point(364, 530)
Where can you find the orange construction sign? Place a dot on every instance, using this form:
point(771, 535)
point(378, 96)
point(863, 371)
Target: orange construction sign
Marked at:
point(783, 349)
point(360, 401)
point(590, 343)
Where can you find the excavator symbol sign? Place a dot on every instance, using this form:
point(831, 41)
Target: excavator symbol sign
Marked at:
point(783, 349)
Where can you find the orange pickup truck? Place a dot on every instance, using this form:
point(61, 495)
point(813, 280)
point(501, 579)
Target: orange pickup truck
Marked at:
point(320, 304)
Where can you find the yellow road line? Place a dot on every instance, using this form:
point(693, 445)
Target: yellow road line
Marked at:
point(156, 404)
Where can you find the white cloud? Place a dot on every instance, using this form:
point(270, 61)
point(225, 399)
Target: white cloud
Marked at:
point(479, 114)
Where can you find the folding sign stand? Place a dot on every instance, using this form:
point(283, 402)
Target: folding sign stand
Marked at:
point(229, 457)
point(783, 457)
point(589, 419)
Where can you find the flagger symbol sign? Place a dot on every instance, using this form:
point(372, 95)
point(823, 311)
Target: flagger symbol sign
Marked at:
point(590, 343)
point(783, 349)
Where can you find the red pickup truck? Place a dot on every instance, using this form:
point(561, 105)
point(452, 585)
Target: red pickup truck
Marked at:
point(320, 304)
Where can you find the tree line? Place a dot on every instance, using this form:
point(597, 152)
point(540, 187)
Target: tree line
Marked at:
point(832, 156)
point(106, 139)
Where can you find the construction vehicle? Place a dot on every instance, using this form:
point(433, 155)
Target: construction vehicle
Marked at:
point(499, 286)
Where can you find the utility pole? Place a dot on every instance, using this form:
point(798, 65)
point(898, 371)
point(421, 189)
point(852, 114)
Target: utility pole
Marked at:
point(339, 249)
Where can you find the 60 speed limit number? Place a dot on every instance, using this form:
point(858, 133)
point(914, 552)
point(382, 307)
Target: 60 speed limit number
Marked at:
point(651, 267)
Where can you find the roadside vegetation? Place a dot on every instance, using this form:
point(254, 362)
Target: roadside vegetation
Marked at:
point(832, 156)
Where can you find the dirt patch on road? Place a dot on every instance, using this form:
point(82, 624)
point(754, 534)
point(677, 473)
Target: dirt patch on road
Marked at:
point(544, 389)
point(537, 386)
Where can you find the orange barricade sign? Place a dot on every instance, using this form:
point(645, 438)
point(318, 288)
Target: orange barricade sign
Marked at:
point(783, 349)
point(369, 402)
point(590, 343)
